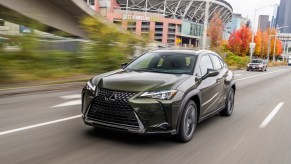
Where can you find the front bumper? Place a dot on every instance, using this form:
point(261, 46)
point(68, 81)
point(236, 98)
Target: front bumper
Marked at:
point(152, 116)
point(255, 68)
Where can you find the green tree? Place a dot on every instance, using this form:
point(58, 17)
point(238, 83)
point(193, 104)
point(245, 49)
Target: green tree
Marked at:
point(109, 46)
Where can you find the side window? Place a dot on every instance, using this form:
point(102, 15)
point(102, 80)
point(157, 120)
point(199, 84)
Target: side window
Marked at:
point(216, 62)
point(222, 63)
point(205, 64)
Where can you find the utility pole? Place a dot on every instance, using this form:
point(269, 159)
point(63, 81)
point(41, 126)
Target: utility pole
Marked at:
point(274, 55)
point(269, 46)
point(204, 40)
point(126, 9)
point(252, 44)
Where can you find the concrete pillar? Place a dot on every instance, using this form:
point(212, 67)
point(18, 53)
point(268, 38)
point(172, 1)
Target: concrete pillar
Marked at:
point(152, 30)
point(165, 33)
point(96, 5)
point(124, 24)
point(190, 42)
point(138, 27)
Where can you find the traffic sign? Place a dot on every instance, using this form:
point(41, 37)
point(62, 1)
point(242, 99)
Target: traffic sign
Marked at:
point(252, 45)
point(178, 40)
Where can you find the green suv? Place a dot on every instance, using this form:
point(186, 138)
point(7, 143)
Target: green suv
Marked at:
point(163, 91)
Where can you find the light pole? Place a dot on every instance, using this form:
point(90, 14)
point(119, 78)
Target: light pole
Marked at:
point(204, 40)
point(252, 45)
point(126, 9)
point(275, 44)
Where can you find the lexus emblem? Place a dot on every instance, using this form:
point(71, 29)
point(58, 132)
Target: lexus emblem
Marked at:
point(112, 97)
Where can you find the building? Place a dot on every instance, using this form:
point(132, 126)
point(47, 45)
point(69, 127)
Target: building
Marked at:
point(236, 23)
point(7, 28)
point(274, 20)
point(264, 22)
point(283, 16)
point(165, 21)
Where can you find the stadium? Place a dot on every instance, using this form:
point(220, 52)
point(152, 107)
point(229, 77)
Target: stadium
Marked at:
point(164, 21)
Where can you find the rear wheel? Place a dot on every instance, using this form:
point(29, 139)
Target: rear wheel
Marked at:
point(227, 111)
point(188, 122)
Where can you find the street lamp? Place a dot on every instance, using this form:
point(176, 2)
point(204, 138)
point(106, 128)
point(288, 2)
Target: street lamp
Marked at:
point(204, 40)
point(269, 44)
point(252, 45)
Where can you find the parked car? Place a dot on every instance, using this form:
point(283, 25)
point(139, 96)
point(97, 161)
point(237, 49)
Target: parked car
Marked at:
point(289, 60)
point(257, 64)
point(163, 91)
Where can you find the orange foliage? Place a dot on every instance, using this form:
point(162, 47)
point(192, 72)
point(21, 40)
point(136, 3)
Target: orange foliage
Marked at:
point(258, 41)
point(240, 40)
point(215, 30)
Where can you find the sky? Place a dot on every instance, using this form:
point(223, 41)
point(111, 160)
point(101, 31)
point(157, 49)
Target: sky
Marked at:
point(247, 7)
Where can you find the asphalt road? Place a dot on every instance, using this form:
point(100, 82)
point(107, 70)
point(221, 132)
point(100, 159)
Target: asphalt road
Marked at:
point(47, 128)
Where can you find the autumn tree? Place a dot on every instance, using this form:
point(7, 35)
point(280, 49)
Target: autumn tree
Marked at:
point(240, 40)
point(264, 44)
point(215, 30)
point(279, 48)
point(258, 41)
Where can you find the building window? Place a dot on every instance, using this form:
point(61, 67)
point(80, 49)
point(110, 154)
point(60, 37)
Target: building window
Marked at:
point(131, 26)
point(117, 21)
point(90, 2)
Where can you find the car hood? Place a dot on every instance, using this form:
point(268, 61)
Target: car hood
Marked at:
point(139, 81)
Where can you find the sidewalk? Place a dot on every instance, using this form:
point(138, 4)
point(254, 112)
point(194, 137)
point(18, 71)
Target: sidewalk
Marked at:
point(39, 87)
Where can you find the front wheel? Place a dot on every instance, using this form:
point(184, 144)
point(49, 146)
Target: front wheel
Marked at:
point(188, 122)
point(227, 111)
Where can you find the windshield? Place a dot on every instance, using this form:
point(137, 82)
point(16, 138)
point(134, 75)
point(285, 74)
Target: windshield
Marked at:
point(172, 63)
point(257, 61)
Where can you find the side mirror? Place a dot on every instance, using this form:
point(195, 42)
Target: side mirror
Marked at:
point(123, 65)
point(211, 73)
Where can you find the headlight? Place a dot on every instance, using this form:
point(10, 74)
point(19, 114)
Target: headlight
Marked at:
point(261, 66)
point(163, 95)
point(90, 86)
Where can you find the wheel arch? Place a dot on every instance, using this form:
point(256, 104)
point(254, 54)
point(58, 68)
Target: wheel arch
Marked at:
point(194, 96)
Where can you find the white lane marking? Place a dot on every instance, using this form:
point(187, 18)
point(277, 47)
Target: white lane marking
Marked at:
point(38, 125)
point(260, 75)
point(69, 97)
point(69, 103)
point(237, 74)
point(271, 115)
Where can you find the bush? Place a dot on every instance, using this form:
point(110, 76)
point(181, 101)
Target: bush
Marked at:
point(236, 61)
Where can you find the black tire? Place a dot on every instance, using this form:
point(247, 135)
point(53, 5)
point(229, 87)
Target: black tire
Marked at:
point(188, 122)
point(248, 70)
point(227, 111)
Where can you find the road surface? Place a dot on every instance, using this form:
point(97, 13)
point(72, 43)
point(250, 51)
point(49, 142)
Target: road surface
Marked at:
point(47, 128)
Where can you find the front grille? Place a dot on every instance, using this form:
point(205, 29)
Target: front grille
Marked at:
point(112, 107)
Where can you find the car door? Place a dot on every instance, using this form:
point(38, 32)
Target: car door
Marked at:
point(219, 66)
point(208, 86)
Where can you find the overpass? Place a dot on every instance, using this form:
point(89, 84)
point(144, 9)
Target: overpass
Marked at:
point(57, 15)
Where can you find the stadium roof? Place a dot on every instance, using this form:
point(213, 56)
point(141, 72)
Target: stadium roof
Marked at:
point(193, 10)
